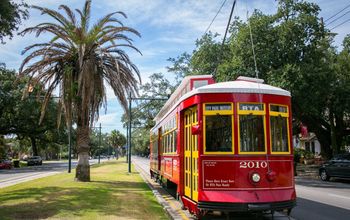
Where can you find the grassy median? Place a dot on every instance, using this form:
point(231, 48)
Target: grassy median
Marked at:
point(111, 194)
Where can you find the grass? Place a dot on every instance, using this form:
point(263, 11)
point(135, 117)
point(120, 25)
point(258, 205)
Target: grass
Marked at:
point(111, 194)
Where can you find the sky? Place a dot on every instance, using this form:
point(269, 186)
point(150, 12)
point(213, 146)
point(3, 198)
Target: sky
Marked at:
point(168, 28)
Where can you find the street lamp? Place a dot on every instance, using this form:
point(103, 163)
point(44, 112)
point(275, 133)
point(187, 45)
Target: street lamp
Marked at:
point(129, 125)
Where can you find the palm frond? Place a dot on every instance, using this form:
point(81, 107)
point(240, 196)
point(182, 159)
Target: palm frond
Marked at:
point(78, 61)
point(69, 13)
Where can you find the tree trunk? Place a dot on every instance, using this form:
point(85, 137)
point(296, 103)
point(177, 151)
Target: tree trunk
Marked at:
point(34, 147)
point(333, 133)
point(83, 167)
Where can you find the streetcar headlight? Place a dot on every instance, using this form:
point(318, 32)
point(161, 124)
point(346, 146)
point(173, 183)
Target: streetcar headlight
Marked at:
point(255, 177)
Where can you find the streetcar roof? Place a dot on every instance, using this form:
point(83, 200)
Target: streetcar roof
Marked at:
point(241, 85)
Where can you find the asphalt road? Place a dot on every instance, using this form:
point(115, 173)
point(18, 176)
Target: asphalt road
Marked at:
point(320, 200)
point(18, 175)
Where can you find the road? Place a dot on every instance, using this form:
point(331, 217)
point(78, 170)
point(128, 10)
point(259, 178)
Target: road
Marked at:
point(322, 200)
point(19, 175)
point(317, 200)
point(143, 164)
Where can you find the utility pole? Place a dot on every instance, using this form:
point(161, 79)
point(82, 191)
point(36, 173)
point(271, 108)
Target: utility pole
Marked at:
point(129, 135)
point(70, 146)
point(127, 142)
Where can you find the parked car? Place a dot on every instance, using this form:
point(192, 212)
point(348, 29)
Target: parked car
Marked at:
point(5, 164)
point(35, 160)
point(338, 166)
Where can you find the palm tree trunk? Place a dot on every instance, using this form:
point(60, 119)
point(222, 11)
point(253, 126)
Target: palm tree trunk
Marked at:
point(83, 167)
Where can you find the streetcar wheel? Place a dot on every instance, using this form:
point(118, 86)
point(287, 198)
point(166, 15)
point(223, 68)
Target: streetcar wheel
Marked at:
point(324, 176)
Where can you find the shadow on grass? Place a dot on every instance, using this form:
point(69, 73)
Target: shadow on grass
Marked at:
point(98, 198)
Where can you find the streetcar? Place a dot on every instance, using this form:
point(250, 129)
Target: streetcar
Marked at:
point(225, 146)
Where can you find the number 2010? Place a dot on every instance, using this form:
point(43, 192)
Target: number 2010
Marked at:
point(252, 164)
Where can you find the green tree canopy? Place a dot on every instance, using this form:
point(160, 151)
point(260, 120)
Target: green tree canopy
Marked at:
point(20, 116)
point(11, 16)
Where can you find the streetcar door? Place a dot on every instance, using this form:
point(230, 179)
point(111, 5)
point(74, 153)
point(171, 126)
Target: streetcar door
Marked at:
point(159, 149)
point(191, 154)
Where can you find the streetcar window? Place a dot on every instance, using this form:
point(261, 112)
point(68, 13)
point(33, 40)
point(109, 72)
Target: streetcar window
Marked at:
point(279, 128)
point(169, 137)
point(279, 135)
point(252, 137)
point(199, 83)
point(251, 127)
point(218, 133)
point(218, 122)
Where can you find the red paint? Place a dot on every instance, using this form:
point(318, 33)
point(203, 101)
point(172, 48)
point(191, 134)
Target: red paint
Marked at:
point(228, 178)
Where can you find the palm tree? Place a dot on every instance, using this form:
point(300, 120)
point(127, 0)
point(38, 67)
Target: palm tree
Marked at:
point(77, 61)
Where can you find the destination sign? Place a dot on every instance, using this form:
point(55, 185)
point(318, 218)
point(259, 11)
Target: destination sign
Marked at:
point(251, 107)
point(278, 108)
point(217, 107)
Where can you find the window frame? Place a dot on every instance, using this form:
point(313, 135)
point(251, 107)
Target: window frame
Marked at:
point(284, 115)
point(220, 112)
point(251, 112)
point(171, 148)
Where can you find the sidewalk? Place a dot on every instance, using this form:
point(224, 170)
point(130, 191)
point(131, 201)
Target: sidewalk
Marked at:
point(308, 171)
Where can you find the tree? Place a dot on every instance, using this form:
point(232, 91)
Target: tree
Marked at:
point(145, 111)
point(21, 117)
point(117, 140)
point(11, 16)
point(205, 59)
point(77, 60)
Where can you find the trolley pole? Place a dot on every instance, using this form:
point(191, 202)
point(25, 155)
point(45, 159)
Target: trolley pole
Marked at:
point(129, 135)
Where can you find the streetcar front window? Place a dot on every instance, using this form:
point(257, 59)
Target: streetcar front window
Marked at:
point(252, 137)
point(218, 122)
point(218, 133)
point(279, 129)
point(252, 128)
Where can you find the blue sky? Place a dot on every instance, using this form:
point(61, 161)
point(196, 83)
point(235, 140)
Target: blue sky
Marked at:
point(168, 28)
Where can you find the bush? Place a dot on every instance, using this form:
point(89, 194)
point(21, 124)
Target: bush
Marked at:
point(15, 163)
point(297, 154)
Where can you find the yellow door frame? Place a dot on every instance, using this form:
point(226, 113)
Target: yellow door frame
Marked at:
point(191, 154)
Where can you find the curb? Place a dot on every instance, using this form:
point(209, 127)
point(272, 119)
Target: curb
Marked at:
point(165, 200)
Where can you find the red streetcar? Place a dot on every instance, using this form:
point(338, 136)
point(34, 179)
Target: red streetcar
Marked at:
point(226, 146)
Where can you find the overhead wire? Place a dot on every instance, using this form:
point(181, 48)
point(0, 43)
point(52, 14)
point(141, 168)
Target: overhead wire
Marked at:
point(337, 13)
point(338, 18)
point(222, 5)
point(340, 24)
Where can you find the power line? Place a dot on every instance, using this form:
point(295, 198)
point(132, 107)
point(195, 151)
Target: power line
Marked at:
point(338, 18)
point(337, 13)
point(222, 5)
point(340, 24)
